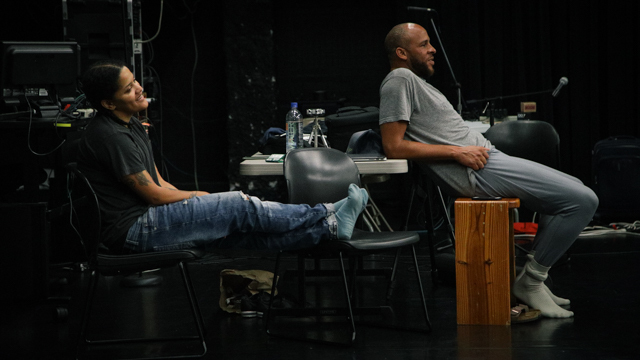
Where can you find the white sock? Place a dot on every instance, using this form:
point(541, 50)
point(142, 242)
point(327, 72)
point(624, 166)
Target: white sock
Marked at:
point(529, 288)
point(556, 299)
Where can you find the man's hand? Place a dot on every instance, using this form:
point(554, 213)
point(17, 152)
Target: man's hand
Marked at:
point(474, 157)
point(396, 147)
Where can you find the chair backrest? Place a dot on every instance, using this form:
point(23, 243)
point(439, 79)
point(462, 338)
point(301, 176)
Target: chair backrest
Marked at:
point(85, 210)
point(529, 139)
point(319, 175)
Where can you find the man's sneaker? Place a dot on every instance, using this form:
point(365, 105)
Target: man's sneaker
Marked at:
point(279, 302)
point(248, 306)
point(262, 303)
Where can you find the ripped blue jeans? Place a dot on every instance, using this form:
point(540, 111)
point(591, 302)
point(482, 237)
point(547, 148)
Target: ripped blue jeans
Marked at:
point(231, 220)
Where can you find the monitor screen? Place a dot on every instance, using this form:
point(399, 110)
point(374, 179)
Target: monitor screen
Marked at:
point(40, 69)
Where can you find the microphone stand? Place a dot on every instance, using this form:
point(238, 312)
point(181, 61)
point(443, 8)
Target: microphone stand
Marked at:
point(444, 52)
point(446, 58)
point(490, 101)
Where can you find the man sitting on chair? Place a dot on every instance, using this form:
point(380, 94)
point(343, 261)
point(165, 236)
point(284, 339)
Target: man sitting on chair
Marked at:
point(417, 122)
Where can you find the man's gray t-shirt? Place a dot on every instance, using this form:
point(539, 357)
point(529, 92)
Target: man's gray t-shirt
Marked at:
point(431, 119)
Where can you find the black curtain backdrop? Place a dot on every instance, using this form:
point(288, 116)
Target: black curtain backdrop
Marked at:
point(501, 48)
point(496, 48)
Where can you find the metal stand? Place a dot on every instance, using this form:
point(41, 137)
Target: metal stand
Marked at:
point(317, 130)
point(372, 216)
point(444, 52)
point(455, 81)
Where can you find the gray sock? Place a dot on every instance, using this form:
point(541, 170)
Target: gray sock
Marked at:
point(338, 204)
point(365, 199)
point(349, 211)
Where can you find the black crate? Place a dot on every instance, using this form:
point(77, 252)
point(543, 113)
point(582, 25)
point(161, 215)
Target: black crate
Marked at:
point(616, 174)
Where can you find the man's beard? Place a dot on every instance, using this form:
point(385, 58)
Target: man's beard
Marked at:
point(422, 70)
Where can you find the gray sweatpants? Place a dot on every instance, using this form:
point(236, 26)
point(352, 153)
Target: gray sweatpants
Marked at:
point(564, 203)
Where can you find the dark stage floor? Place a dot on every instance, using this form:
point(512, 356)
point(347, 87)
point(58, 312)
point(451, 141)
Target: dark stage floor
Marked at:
point(601, 276)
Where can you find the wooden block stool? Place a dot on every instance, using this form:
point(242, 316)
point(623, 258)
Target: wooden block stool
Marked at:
point(485, 262)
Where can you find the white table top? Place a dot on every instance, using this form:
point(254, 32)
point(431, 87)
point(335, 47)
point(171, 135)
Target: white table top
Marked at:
point(259, 167)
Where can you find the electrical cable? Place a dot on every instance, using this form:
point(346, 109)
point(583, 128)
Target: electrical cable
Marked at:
point(159, 25)
point(191, 12)
point(192, 83)
point(164, 171)
point(29, 133)
point(72, 211)
point(150, 53)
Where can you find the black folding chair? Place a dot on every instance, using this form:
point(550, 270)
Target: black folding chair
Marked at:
point(323, 175)
point(86, 219)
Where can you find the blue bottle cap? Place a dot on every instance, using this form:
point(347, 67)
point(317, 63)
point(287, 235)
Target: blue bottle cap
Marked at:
point(294, 105)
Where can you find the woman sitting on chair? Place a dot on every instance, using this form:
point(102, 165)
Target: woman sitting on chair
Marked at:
point(141, 212)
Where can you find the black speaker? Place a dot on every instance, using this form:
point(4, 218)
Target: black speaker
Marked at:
point(24, 259)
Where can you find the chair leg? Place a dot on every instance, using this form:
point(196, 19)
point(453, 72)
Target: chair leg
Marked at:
point(392, 280)
point(447, 216)
point(431, 237)
point(195, 307)
point(353, 268)
point(273, 292)
point(375, 216)
point(412, 193)
point(430, 225)
point(369, 221)
point(397, 326)
point(348, 298)
point(310, 311)
point(424, 301)
point(302, 277)
point(91, 291)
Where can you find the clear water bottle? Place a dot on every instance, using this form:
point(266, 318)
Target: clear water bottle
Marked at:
point(294, 128)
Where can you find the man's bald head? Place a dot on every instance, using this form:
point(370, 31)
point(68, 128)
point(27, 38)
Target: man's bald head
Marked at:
point(398, 36)
point(408, 46)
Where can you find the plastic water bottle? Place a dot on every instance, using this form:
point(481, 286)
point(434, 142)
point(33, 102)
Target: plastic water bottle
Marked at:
point(294, 128)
